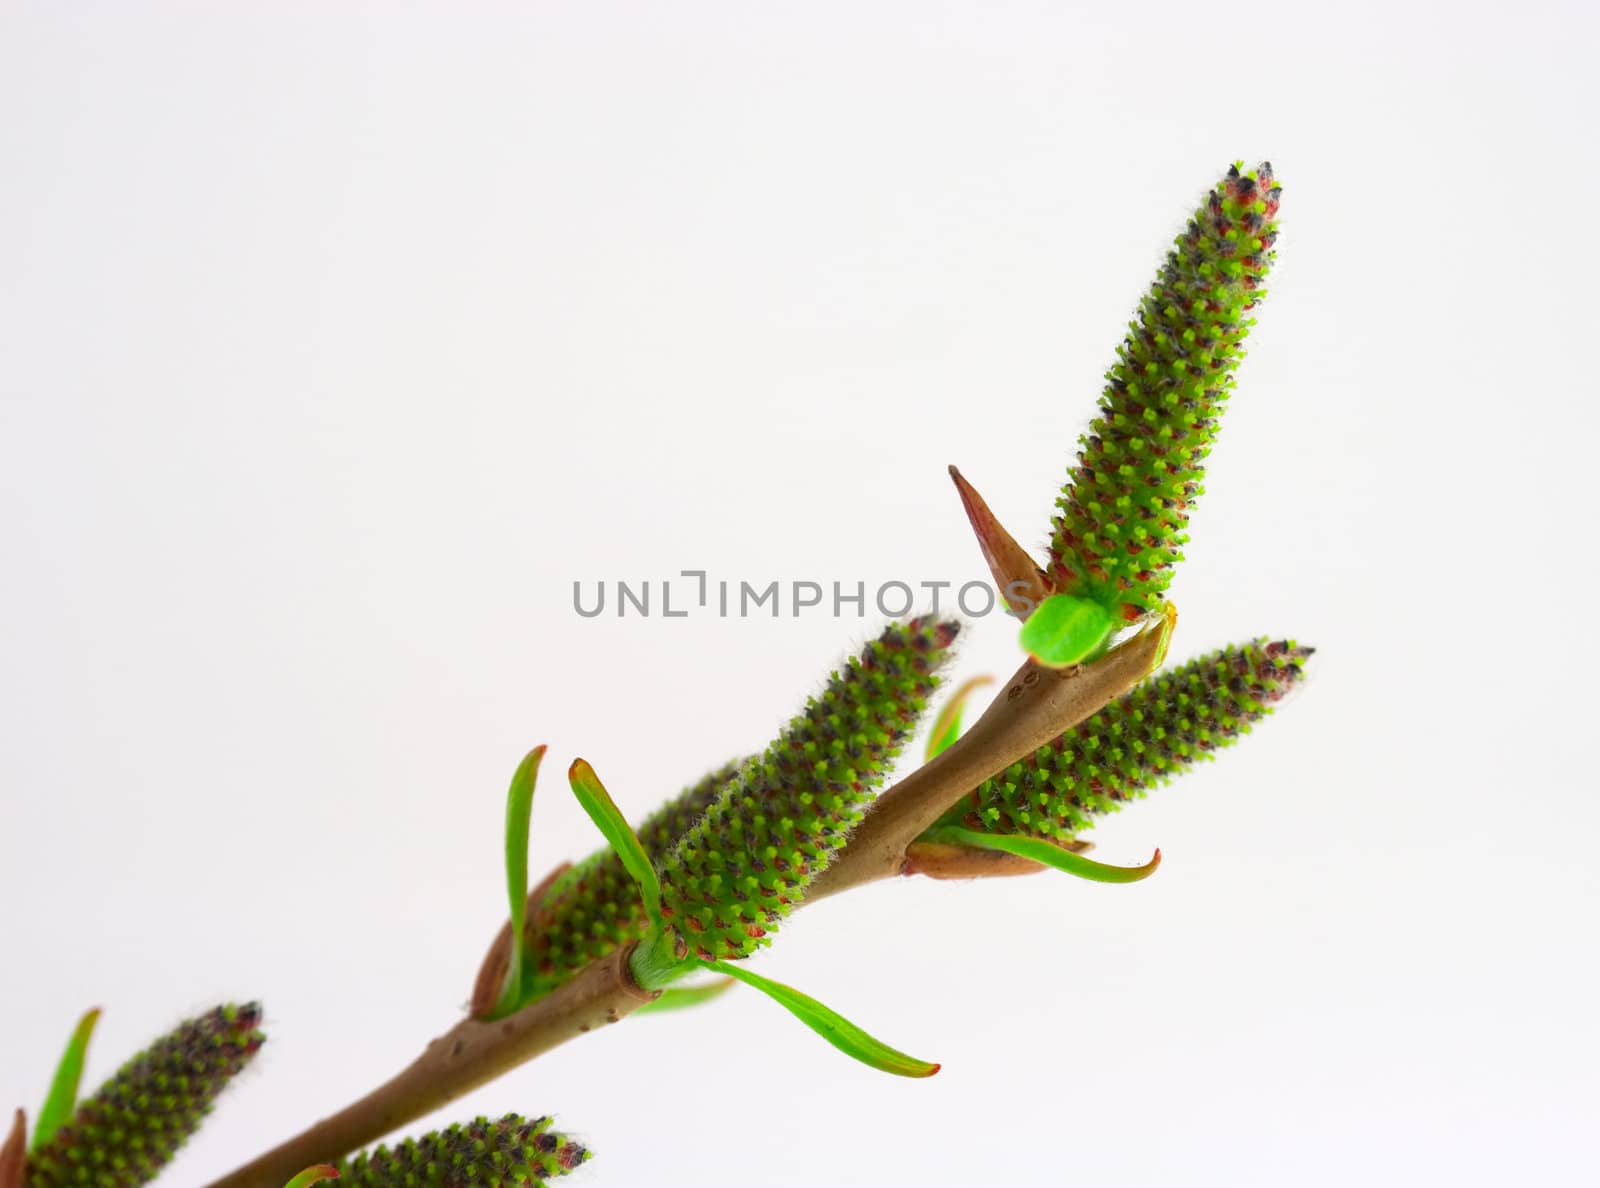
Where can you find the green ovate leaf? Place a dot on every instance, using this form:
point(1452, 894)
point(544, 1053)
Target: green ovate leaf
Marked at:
point(1047, 853)
point(947, 726)
point(676, 998)
point(519, 815)
point(314, 1175)
point(63, 1096)
point(830, 1025)
point(1065, 629)
point(608, 818)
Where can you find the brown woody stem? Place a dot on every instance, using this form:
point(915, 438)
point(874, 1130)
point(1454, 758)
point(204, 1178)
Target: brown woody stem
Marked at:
point(1038, 704)
point(470, 1054)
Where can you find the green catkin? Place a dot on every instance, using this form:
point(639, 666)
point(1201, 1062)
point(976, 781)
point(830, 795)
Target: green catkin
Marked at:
point(124, 1134)
point(771, 830)
point(1123, 515)
point(595, 907)
point(1141, 740)
point(513, 1151)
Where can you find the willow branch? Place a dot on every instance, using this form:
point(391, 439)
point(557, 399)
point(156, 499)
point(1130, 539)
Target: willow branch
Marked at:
point(1038, 705)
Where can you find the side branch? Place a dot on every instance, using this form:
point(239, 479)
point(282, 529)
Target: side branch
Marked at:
point(1038, 704)
point(470, 1054)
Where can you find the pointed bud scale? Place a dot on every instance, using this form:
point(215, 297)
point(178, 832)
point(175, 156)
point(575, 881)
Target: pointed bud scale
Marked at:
point(124, 1134)
point(1020, 582)
point(774, 828)
point(14, 1152)
point(944, 860)
point(595, 908)
point(682, 998)
point(1123, 516)
point(1143, 739)
point(512, 1152)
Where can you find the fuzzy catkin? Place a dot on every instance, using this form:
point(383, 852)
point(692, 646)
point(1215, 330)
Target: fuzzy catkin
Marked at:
point(748, 861)
point(1122, 518)
point(131, 1127)
point(1144, 738)
point(511, 1152)
point(595, 907)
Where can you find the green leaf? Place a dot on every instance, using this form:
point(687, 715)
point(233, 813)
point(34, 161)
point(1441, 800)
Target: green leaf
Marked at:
point(1065, 629)
point(519, 815)
point(63, 1097)
point(608, 818)
point(676, 998)
point(318, 1172)
point(947, 726)
point(830, 1025)
point(1044, 852)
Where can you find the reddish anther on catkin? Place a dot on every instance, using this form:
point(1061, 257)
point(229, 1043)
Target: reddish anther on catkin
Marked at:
point(510, 1152)
point(1123, 515)
point(131, 1127)
point(1144, 738)
point(773, 828)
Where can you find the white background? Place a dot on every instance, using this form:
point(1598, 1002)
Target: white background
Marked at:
point(337, 341)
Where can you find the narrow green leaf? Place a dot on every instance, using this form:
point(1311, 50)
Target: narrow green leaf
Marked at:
point(1065, 629)
point(947, 726)
point(1169, 621)
point(608, 818)
point(1045, 852)
point(317, 1172)
point(63, 1096)
point(519, 815)
point(676, 998)
point(830, 1025)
